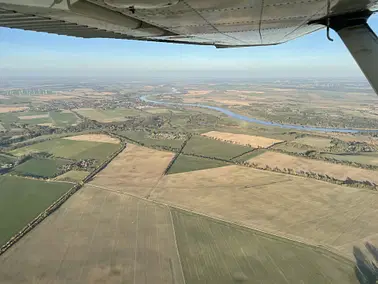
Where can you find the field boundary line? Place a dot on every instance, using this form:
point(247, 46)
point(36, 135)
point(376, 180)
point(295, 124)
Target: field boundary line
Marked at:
point(242, 154)
point(176, 156)
point(136, 241)
point(176, 245)
point(321, 248)
point(173, 160)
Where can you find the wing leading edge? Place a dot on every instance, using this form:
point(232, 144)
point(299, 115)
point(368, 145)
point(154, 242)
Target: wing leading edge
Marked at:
point(222, 23)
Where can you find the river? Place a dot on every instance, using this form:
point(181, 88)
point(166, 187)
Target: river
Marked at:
point(258, 121)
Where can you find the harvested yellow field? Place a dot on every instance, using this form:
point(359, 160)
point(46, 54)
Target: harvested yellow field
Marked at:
point(73, 176)
point(302, 209)
point(27, 117)
point(45, 124)
point(47, 98)
point(198, 93)
point(242, 139)
point(341, 172)
point(193, 100)
point(245, 92)
point(5, 109)
point(94, 138)
point(232, 102)
point(97, 236)
point(135, 170)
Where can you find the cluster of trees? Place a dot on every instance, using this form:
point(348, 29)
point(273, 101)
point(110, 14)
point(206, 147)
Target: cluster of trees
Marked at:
point(313, 154)
point(308, 174)
point(166, 135)
point(349, 182)
point(231, 142)
point(340, 146)
point(82, 165)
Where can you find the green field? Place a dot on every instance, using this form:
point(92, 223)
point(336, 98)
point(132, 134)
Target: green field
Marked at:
point(57, 118)
point(214, 252)
point(316, 142)
point(6, 159)
point(37, 167)
point(37, 120)
point(21, 200)
point(61, 119)
point(186, 163)
point(109, 115)
point(200, 145)
point(12, 100)
point(369, 158)
point(144, 138)
point(70, 149)
point(73, 176)
point(8, 118)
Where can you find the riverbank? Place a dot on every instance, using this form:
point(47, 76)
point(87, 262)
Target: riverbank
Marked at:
point(262, 122)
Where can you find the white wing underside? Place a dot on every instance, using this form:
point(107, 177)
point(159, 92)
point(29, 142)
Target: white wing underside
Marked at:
point(223, 23)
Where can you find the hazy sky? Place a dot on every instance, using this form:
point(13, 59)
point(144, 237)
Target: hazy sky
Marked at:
point(31, 53)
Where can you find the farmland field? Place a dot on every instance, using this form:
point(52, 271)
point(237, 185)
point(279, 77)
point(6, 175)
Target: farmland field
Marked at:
point(70, 149)
point(109, 115)
point(94, 138)
point(303, 209)
point(37, 167)
point(21, 200)
point(55, 118)
point(341, 172)
point(97, 236)
point(32, 117)
point(7, 109)
point(221, 253)
point(370, 158)
point(62, 119)
point(161, 110)
point(74, 176)
point(186, 163)
point(143, 138)
point(6, 159)
point(135, 170)
point(212, 148)
point(242, 139)
point(316, 142)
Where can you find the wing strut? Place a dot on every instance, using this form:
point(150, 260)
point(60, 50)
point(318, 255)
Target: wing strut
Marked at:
point(360, 40)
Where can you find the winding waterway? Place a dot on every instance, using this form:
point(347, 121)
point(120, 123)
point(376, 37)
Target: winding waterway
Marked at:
point(258, 121)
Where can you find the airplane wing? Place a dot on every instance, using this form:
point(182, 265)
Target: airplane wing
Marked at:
point(222, 23)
